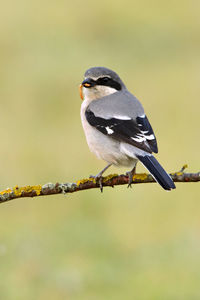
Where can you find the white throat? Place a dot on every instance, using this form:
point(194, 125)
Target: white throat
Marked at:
point(97, 92)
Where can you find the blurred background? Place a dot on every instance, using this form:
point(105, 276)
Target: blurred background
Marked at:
point(139, 243)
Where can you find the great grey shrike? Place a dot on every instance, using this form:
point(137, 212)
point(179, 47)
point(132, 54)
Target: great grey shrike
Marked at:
point(116, 127)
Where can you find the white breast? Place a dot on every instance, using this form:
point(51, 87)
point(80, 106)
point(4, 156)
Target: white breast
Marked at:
point(104, 147)
point(99, 144)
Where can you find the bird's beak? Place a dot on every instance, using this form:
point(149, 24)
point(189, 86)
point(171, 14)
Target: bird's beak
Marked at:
point(81, 91)
point(87, 83)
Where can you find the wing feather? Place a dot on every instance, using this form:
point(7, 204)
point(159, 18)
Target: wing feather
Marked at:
point(138, 133)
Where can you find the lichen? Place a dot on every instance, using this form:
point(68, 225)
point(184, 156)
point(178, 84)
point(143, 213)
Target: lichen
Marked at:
point(36, 188)
point(17, 191)
point(105, 179)
point(142, 177)
point(48, 185)
point(4, 197)
point(70, 186)
point(7, 191)
point(84, 180)
point(177, 173)
point(27, 189)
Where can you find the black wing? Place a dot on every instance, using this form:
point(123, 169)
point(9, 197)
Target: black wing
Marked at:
point(138, 133)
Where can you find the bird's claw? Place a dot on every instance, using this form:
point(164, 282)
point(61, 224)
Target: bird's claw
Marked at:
point(99, 180)
point(130, 175)
point(130, 179)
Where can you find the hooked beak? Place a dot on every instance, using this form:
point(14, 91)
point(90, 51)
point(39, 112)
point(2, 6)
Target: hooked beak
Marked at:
point(87, 83)
point(81, 91)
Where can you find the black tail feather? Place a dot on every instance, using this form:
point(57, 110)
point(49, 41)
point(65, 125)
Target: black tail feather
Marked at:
point(157, 171)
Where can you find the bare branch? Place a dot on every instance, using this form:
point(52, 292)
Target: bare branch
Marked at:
point(89, 183)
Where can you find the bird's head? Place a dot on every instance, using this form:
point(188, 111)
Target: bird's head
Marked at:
point(100, 82)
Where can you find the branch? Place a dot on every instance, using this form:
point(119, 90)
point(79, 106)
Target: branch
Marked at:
point(89, 183)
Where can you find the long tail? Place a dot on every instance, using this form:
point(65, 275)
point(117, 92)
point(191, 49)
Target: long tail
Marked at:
point(157, 171)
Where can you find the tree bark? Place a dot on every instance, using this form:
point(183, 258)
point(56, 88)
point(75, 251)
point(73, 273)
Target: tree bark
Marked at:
point(89, 183)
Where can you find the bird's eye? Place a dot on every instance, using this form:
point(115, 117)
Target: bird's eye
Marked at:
point(105, 79)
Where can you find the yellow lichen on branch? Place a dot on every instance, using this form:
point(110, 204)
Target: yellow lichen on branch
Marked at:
point(141, 176)
point(18, 191)
point(7, 191)
point(88, 183)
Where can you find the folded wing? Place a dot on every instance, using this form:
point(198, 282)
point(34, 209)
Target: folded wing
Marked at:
point(137, 132)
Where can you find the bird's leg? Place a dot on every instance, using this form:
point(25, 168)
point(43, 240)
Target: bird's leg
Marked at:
point(99, 177)
point(130, 176)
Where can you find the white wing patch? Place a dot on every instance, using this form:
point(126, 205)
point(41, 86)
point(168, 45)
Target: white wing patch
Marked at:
point(141, 137)
point(150, 137)
point(121, 117)
point(109, 130)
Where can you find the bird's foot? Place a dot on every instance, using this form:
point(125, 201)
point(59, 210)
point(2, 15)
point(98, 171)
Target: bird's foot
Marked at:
point(130, 175)
point(99, 180)
point(130, 179)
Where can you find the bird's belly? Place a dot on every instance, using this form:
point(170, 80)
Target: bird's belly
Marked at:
point(106, 148)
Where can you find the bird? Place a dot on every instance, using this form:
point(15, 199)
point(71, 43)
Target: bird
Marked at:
point(116, 127)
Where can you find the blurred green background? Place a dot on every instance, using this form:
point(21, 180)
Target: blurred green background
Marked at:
point(139, 243)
